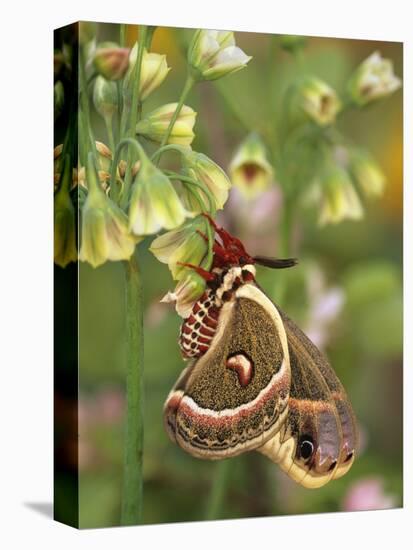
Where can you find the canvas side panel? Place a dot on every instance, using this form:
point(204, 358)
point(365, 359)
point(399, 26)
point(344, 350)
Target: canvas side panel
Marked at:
point(66, 487)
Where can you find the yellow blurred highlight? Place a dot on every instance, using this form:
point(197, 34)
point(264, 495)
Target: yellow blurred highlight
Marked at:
point(392, 164)
point(163, 41)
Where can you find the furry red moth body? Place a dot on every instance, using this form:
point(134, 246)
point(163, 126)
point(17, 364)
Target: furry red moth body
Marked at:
point(198, 330)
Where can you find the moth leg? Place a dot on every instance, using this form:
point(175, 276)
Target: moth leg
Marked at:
point(202, 272)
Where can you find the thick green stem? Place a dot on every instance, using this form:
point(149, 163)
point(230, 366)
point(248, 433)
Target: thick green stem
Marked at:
point(109, 130)
point(132, 494)
point(84, 103)
point(116, 158)
point(134, 112)
point(122, 35)
point(191, 181)
point(185, 91)
point(217, 493)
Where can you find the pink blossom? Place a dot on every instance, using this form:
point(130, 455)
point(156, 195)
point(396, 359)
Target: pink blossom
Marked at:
point(368, 494)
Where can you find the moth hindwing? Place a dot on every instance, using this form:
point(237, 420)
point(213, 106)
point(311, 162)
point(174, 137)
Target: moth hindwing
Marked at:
point(234, 397)
point(318, 440)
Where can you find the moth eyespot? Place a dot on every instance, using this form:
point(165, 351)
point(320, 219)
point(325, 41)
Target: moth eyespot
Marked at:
point(197, 325)
point(243, 367)
point(306, 447)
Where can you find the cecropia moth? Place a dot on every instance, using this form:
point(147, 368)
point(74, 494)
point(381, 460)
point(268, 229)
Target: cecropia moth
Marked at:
point(254, 381)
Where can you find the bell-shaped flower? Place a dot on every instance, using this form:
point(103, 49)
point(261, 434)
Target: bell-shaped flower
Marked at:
point(367, 173)
point(105, 232)
point(187, 292)
point(339, 200)
point(156, 123)
point(213, 54)
point(314, 99)
point(105, 97)
point(111, 61)
point(154, 69)
point(65, 250)
point(211, 176)
point(154, 203)
point(373, 79)
point(184, 245)
point(250, 170)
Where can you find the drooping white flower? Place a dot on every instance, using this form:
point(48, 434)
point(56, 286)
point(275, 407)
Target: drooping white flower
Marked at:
point(367, 173)
point(201, 168)
point(154, 70)
point(339, 199)
point(314, 99)
point(373, 79)
point(249, 169)
point(154, 203)
point(213, 54)
point(156, 123)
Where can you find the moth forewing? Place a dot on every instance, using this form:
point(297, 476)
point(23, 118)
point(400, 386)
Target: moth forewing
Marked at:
point(235, 396)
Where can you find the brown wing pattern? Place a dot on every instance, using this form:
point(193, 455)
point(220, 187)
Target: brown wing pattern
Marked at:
point(319, 438)
point(235, 396)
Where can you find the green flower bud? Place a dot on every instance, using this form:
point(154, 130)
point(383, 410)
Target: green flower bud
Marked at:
point(59, 99)
point(105, 233)
point(104, 156)
point(313, 99)
point(105, 97)
point(372, 80)
point(213, 54)
point(155, 125)
point(154, 69)
point(187, 292)
point(154, 203)
point(111, 61)
point(201, 168)
point(339, 198)
point(183, 245)
point(65, 250)
point(367, 173)
point(292, 42)
point(250, 170)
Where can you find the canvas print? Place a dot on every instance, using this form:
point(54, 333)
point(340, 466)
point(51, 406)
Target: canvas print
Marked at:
point(228, 274)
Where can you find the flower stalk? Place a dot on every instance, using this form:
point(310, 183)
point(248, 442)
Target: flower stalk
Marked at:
point(217, 493)
point(185, 91)
point(132, 493)
point(134, 110)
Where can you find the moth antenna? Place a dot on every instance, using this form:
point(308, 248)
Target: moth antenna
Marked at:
point(275, 263)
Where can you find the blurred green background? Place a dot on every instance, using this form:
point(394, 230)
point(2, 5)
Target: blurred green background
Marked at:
point(346, 294)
